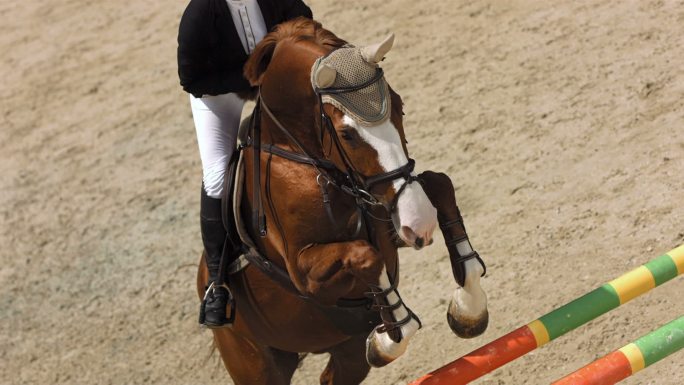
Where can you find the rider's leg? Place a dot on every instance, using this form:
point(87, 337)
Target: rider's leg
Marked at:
point(216, 120)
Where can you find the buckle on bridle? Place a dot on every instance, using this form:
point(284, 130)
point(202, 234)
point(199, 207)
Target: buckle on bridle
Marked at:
point(367, 198)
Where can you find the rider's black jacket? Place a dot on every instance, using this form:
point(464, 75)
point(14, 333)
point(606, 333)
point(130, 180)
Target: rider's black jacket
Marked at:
point(210, 54)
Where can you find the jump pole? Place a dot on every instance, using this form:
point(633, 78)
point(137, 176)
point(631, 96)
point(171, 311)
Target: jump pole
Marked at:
point(558, 322)
point(631, 358)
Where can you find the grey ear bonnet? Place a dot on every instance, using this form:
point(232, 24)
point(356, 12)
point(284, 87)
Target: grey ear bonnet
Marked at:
point(368, 106)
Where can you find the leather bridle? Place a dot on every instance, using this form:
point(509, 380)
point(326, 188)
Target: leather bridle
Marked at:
point(361, 184)
point(348, 180)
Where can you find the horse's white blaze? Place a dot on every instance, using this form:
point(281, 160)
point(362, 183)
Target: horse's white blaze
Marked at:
point(471, 300)
point(417, 218)
point(383, 342)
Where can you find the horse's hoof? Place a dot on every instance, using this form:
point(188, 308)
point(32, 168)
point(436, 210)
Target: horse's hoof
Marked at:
point(381, 350)
point(466, 327)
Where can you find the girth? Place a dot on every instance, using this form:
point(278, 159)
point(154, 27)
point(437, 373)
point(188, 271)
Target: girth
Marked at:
point(350, 316)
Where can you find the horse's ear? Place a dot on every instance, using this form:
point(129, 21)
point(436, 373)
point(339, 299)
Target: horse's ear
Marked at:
point(259, 60)
point(325, 76)
point(375, 53)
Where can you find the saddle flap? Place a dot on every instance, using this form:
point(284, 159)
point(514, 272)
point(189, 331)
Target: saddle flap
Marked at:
point(230, 210)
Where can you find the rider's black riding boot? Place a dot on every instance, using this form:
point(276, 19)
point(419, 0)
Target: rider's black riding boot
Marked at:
point(213, 310)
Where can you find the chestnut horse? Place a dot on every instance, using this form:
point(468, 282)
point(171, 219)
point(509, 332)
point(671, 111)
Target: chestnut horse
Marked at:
point(327, 200)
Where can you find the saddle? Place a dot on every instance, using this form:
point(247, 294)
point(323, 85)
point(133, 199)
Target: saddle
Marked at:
point(351, 316)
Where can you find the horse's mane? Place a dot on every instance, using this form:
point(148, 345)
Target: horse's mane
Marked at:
point(299, 29)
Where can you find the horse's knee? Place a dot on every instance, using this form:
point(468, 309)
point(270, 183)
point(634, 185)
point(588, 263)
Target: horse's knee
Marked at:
point(432, 178)
point(439, 189)
point(364, 261)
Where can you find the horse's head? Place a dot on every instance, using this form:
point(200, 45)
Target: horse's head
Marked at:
point(307, 74)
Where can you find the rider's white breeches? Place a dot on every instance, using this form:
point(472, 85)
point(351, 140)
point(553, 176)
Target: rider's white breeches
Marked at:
point(217, 119)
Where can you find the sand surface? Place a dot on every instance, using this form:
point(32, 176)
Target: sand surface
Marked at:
point(562, 126)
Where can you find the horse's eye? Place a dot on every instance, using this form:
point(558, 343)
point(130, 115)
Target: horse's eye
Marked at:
point(346, 135)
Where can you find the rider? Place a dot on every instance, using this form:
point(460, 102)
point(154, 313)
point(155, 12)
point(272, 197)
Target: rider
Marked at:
point(215, 38)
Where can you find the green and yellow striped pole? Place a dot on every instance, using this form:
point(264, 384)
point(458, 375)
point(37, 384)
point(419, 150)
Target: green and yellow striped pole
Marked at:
point(631, 358)
point(558, 322)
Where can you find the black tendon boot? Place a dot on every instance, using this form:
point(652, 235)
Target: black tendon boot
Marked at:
point(217, 297)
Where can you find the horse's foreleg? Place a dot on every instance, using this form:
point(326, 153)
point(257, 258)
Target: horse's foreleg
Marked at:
point(331, 271)
point(467, 315)
point(389, 341)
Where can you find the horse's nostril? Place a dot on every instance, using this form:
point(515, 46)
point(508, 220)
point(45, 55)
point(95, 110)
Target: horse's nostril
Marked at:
point(419, 242)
